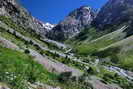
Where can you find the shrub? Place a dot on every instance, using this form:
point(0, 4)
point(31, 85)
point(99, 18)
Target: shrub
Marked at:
point(26, 42)
point(27, 51)
point(31, 42)
point(41, 52)
point(14, 33)
point(64, 77)
point(37, 47)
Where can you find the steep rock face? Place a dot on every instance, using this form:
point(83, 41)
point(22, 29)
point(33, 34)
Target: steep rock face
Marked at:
point(21, 16)
point(114, 12)
point(72, 24)
point(44, 28)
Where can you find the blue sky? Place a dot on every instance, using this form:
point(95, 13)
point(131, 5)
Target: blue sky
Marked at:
point(54, 11)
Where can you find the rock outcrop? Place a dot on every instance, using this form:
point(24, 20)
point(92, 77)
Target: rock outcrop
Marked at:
point(3, 86)
point(21, 16)
point(76, 21)
point(114, 13)
point(44, 28)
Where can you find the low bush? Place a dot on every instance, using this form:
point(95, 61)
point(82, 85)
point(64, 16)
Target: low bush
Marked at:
point(27, 51)
point(65, 77)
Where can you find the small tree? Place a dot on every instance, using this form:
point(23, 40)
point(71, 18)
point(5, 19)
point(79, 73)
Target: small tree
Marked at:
point(65, 76)
point(14, 33)
point(31, 42)
point(27, 51)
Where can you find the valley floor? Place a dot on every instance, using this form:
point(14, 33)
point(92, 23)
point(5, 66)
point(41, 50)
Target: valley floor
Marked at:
point(29, 62)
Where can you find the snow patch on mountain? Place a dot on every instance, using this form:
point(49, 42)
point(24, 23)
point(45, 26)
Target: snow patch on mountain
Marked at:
point(48, 26)
point(43, 25)
point(86, 7)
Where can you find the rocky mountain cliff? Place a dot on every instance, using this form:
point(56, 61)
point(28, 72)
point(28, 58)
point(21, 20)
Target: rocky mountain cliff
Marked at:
point(76, 21)
point(114, 13)
point(21, 16)
point(43, 27)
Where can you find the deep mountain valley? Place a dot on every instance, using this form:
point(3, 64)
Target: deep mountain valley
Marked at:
point(89, 49)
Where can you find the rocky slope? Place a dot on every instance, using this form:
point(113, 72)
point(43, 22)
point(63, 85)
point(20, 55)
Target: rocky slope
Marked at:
point(114, 13)
point(76, 21)
point(112, 16)
point(109, 38)
point(21, 16)
point(43, 28)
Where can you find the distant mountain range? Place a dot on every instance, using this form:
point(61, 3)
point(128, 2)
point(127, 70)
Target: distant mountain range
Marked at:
point(113, 13)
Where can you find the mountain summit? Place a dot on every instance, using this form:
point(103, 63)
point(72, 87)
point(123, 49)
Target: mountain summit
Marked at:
point(76, 21)
point(115, 12)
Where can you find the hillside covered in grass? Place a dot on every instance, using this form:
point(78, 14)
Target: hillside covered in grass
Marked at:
point(18, 69)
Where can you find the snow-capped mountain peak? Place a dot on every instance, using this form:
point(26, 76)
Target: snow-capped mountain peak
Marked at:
point(86, 7)
point(44, 25)
point(48, 26)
